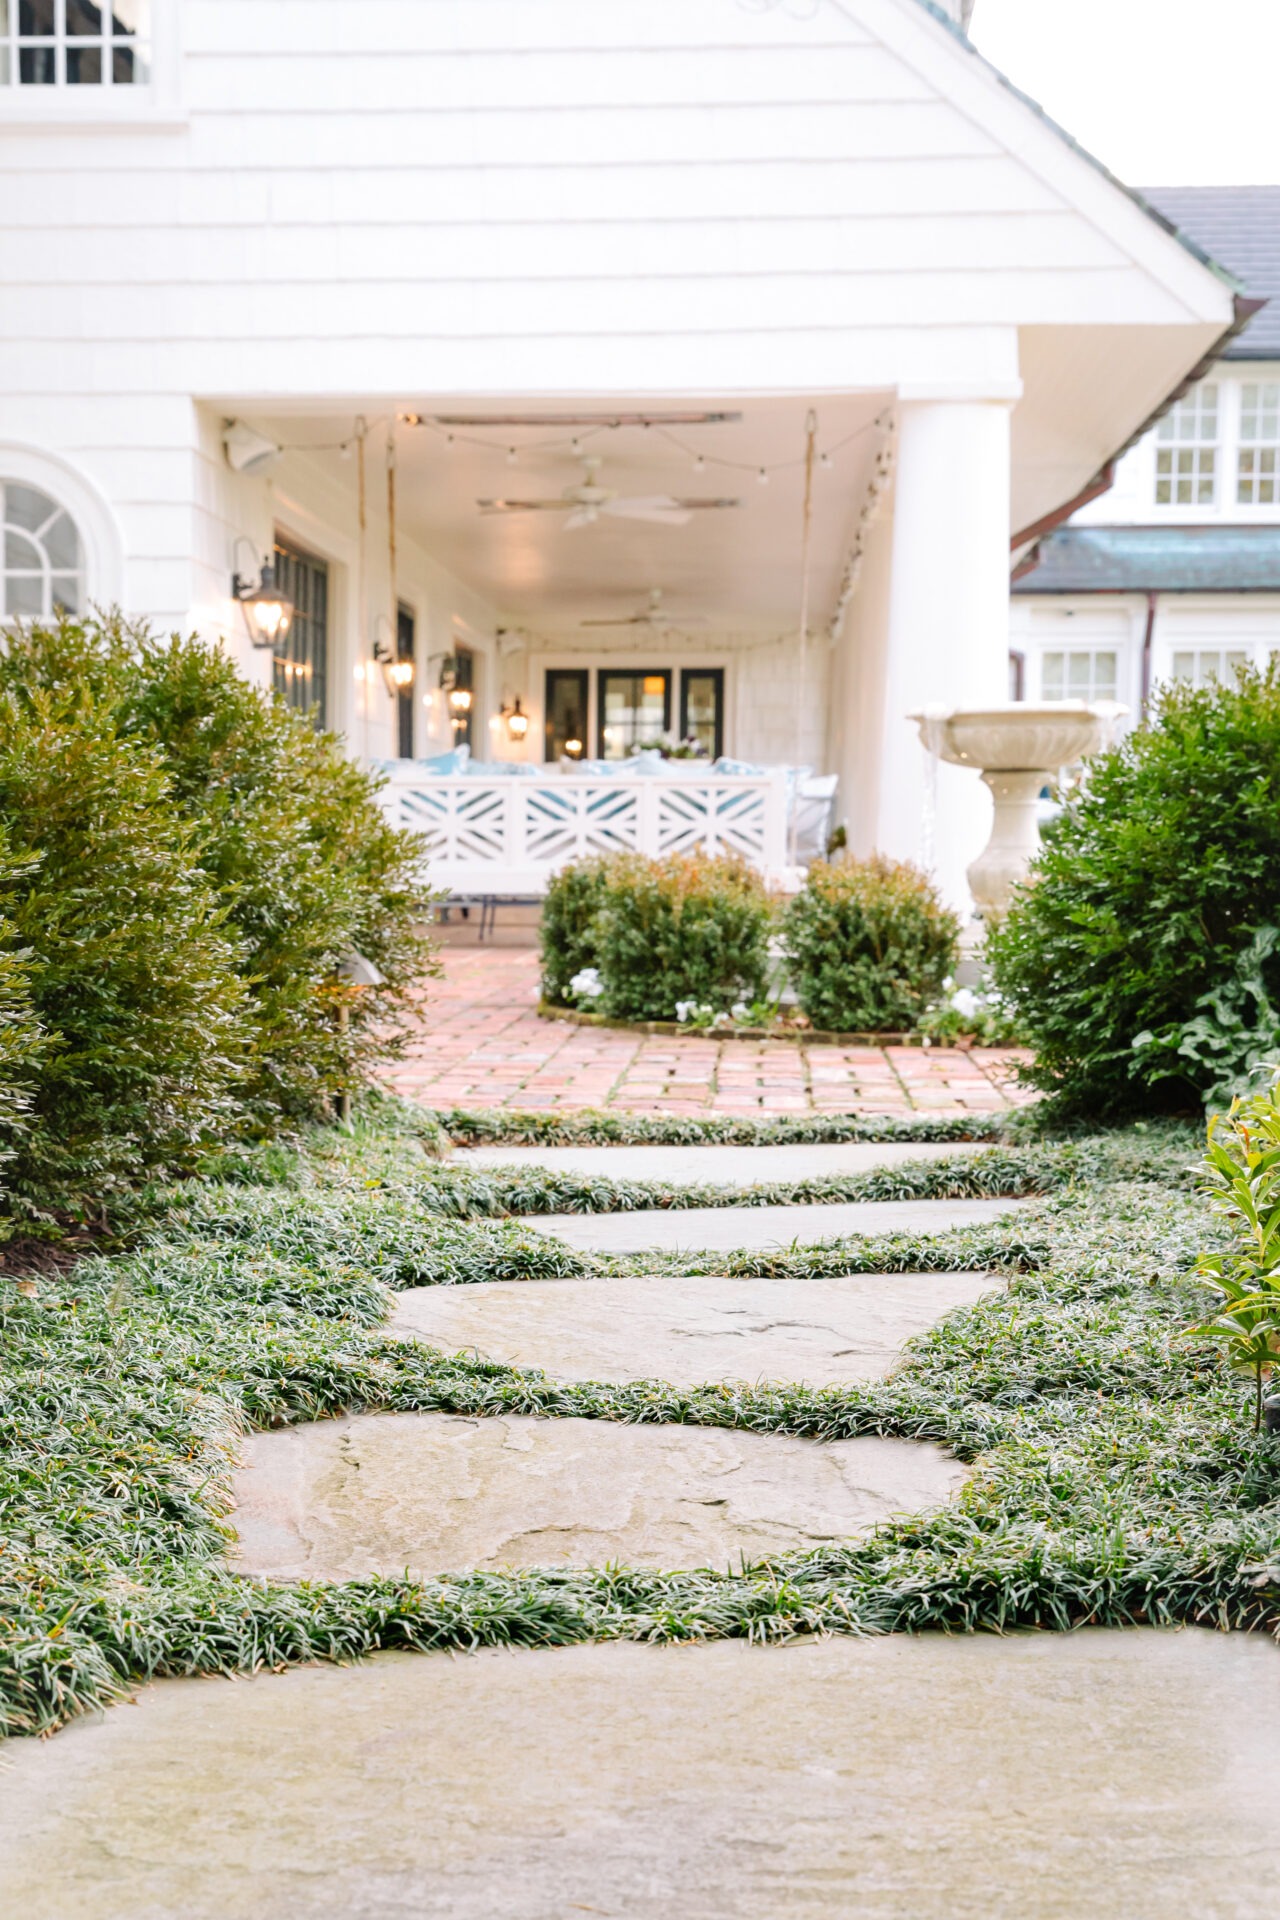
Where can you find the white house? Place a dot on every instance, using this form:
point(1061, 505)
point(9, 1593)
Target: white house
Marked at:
point(1174, 572)
point(450, 252)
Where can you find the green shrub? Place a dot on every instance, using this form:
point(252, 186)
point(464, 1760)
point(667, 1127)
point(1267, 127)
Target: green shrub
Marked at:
point(22, 1039)
point(568, 933)
point(1142, 964)
point(289, 833)
point(869, 944)
point(680, 929)
point(132, 969)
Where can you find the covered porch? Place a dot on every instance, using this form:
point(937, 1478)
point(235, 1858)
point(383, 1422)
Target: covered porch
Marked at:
point(565, 626)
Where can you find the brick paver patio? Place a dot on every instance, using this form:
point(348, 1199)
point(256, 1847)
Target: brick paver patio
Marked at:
point(483, 1044)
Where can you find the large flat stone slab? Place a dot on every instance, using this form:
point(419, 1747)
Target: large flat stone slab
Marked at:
point(439, 1493)
point(719, 1166)
point(691, 1331)
point(1039, 1778)
point(732, 1229)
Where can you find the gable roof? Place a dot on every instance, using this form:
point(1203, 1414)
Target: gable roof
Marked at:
point(1241, 227)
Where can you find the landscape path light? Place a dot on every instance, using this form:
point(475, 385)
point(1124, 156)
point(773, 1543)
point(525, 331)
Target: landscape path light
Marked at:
point(356, 974)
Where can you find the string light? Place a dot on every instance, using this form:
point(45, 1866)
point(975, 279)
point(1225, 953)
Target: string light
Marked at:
point(762, 477)
point(512, 456)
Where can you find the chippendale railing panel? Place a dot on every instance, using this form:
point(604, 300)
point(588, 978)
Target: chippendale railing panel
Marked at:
point(508, 835)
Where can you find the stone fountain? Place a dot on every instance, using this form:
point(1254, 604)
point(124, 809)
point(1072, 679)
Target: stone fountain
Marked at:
point(1017, 749)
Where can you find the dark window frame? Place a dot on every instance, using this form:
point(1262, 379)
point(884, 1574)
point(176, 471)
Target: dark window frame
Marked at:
point(583, 677)
point(667, 675)
point(305, 578)
point(703, 673)
point(406, 643)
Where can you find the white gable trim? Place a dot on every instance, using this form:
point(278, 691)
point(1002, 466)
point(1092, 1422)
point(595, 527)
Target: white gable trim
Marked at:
point(976, 88)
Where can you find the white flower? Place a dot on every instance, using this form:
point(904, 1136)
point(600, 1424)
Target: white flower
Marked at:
point(723, 1020)
point(964, 1001)
point(685, 1009)
point(587, 985)
point(739, 1010)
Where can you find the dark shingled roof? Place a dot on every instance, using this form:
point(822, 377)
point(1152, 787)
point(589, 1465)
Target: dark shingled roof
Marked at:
point(1156, 560)
point(1239, 226)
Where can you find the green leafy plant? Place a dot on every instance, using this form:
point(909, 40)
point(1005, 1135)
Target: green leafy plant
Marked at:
point(1241, 1177)
point(284, 828)
point(1140, 962)
point(131, 966)
point(977, 1015)
point(685, 929)
point(869, 944)
point(568, 933)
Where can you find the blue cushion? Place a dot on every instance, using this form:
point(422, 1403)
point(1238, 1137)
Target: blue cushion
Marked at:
point(453, 762)
point(499, 769)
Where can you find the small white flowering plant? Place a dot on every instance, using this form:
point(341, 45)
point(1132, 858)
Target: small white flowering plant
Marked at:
point(974, 1014)
point(586, 986)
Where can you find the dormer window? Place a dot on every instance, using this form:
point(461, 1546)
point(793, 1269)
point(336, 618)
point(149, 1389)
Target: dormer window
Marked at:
point(74, 43)
point(1187, 450)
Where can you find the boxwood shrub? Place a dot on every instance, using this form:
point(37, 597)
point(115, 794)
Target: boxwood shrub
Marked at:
point(658, 932)
point(131, 968)
point(688, 927)
point(869, 945)
point(281, 829)
point(1143, 962)
point(568, 933)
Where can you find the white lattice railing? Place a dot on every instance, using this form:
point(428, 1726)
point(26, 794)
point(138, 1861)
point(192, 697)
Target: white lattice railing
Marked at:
point(508, 835)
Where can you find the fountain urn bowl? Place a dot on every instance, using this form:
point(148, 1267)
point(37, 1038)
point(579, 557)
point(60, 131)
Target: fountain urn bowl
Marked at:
point(1017, 749)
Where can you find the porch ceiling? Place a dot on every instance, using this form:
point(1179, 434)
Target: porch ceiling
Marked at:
point(739, 567)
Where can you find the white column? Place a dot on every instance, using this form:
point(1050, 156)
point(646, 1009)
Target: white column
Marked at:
point(948, 624)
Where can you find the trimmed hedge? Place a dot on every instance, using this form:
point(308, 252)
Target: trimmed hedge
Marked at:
point(568, 935)
point(658, 932)
point(870, 945)
point(133, 970)
point(684, 928)
point(190, 861)
point(1143, 962)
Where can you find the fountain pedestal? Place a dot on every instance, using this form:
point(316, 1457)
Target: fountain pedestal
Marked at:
point(1016, 749)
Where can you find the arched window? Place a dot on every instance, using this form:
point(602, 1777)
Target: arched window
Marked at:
point(43, 555)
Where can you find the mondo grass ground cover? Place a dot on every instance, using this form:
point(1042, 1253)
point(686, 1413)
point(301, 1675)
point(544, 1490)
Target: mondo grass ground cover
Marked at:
point(1114, 1478)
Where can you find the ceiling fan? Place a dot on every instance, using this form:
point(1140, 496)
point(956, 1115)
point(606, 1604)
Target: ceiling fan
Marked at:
point(588, 501)
point(653, 615)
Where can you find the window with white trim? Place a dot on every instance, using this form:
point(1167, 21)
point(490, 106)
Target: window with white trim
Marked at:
point(1078, 673)
point(1256, 470)
point(1203, 666)
point(1187, 450)
point(75, 43)
point(43, 572)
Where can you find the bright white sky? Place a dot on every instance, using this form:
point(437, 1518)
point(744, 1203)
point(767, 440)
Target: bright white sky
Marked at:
point(1164, 92)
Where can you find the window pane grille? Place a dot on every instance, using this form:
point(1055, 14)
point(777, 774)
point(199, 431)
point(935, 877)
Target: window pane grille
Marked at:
point(1079, 674)
point(1256, 472)
point(635, 711)
point(1187, 450)
point(300, 667)
point(42, 555)
point(74, 43)
point(1204, 666)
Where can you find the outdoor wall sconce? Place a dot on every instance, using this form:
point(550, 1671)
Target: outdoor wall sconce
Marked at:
point(517, 721)
point(573, 746)
point(268, 613)
point(398, 674)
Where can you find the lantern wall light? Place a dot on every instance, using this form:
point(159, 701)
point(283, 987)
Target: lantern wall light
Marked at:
point(267, 611)
point(397, 673)
point(517, 720)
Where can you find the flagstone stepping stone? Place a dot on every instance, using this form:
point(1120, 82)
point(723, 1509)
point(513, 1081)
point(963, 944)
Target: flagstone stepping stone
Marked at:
point(440, 1493)
point(718, 1166)
point(731, 1229)
point(690, 1331)
point(931, 1778)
